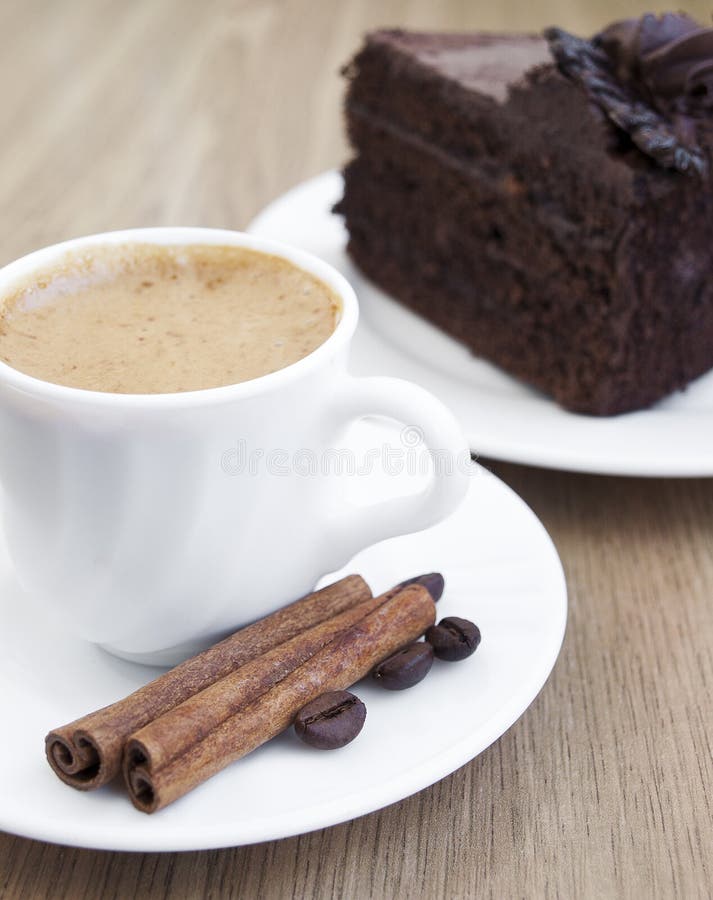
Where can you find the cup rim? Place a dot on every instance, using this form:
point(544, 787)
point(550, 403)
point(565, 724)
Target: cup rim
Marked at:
point(181, 236)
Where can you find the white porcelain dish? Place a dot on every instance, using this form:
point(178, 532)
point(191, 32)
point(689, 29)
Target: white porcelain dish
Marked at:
point(502, 571)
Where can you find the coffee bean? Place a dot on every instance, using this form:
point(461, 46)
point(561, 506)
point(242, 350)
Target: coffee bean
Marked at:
point(331, 721)
point(433, 582)
point(453, 638)
point(405, 668)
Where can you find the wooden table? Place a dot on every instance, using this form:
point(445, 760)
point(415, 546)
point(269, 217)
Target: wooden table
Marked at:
point(118, 114)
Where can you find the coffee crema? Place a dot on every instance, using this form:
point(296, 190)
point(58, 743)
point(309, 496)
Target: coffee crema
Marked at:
point(151, 319)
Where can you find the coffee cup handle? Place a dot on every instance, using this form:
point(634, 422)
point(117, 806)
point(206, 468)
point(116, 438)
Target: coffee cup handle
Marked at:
point(424, 417)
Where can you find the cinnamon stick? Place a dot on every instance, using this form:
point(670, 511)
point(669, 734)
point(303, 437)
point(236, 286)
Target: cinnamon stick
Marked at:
point(172, 734)
point(87, 753)
point(155, 776)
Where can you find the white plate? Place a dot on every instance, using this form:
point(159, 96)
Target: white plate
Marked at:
point(501, 571)
point(502, 417)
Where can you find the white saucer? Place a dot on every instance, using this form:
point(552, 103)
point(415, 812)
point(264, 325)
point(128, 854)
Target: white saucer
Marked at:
point(502, 418)
point(501, 570)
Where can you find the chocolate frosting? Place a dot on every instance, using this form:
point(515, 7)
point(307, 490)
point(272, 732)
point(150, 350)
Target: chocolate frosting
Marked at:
point(652, 77)
point(668, 59)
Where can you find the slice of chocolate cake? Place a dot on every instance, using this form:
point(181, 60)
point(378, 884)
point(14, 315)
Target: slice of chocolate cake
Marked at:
point(548, 204)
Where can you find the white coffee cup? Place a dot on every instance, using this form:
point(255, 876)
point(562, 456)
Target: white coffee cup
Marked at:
point(122, 519)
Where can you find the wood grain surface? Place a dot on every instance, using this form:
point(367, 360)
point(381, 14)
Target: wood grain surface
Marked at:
point(117, 114)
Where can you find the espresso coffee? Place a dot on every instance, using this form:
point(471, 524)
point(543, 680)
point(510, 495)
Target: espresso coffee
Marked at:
point(148, 319)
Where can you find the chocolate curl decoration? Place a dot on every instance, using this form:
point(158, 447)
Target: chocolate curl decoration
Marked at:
point(669, 59)
point(652, 77)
